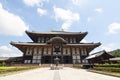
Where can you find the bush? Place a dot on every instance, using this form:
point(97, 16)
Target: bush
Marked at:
point(77, 66)
point(15, 68)
point(3, 64)
point(108, 69)
point(87, 66)
point(109, 65)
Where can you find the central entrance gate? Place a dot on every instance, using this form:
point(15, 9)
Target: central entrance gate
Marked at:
point(57, 44)
point(48, 60)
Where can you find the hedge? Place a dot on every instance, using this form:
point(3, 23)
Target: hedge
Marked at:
point(14, 69)
point(3, 64)
point(108, 69)
point(108, 65)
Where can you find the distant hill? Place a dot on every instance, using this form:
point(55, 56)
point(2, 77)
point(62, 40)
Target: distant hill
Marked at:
point(115, 53)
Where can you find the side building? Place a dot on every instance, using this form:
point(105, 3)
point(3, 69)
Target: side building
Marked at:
point(47, 46)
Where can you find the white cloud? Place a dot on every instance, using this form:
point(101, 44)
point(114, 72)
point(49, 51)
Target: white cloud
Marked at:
point(41, 11)
point(7, 51)
point(106, 47)
point(76, 2)
point(88, 19)
point(11, 24)
point(34, 2)
point(67, 16)
point(83, 41)
point(79, 2)
point(99, 10)
point(66, 25)
point(114, 28)
point(0, 5)
point(110, 47)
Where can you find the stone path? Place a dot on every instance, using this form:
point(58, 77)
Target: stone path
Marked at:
point(62, 74)
point(80, 74)
point(56, 75)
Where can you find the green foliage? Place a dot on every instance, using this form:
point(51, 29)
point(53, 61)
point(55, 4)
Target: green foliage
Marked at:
point(77, 66)
point(15, 69)
point(115, 53)
point(118, 62)
point(108, 67)
point(3, 64)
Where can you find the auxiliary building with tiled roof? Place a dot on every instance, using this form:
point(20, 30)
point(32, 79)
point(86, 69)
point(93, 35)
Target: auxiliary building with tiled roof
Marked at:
point(47, 46)
point(99, 57)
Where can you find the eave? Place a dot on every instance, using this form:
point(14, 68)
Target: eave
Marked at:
point(34, 35)
point(23, 45)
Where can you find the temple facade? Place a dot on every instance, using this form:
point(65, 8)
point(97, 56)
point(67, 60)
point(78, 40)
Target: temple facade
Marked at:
point(48, 46)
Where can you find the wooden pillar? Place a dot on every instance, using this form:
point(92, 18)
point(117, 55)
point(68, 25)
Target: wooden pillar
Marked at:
point(81, 55)
point(52, 54)
point(62, 54)
point(32, 55)
point(24, 55)
point(71, 55)
point(42, 59)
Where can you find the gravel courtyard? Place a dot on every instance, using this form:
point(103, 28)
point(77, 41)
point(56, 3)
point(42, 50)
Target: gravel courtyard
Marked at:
point(62, 74)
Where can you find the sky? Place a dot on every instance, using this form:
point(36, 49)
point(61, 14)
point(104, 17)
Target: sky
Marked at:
point(100, 18)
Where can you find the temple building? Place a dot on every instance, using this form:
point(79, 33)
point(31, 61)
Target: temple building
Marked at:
point(47, 46)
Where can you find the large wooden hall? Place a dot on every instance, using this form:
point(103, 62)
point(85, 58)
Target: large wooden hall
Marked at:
point(45, 47)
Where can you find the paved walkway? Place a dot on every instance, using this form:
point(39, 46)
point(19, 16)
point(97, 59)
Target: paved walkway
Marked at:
point(62, 74)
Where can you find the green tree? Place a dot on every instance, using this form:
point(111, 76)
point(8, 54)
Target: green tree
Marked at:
point(115, 53)
point(3, 63)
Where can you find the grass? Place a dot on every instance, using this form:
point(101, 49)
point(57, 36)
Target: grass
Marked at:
point(108, 69)
point(14, 69)
point(106, 73)
point(111, 73)
point(77, 66)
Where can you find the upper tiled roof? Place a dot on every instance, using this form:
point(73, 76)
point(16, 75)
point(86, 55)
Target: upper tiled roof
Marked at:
point(57, 32)
point(35, 35)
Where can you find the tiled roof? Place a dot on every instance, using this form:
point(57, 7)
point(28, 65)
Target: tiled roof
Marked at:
point(57, 32)
point(97, 54)
point(26, 43)
point(31, 43)
point(84, 44)
point(115, 59)
point(4, 58)
point(9, 58)
point(35, 35)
